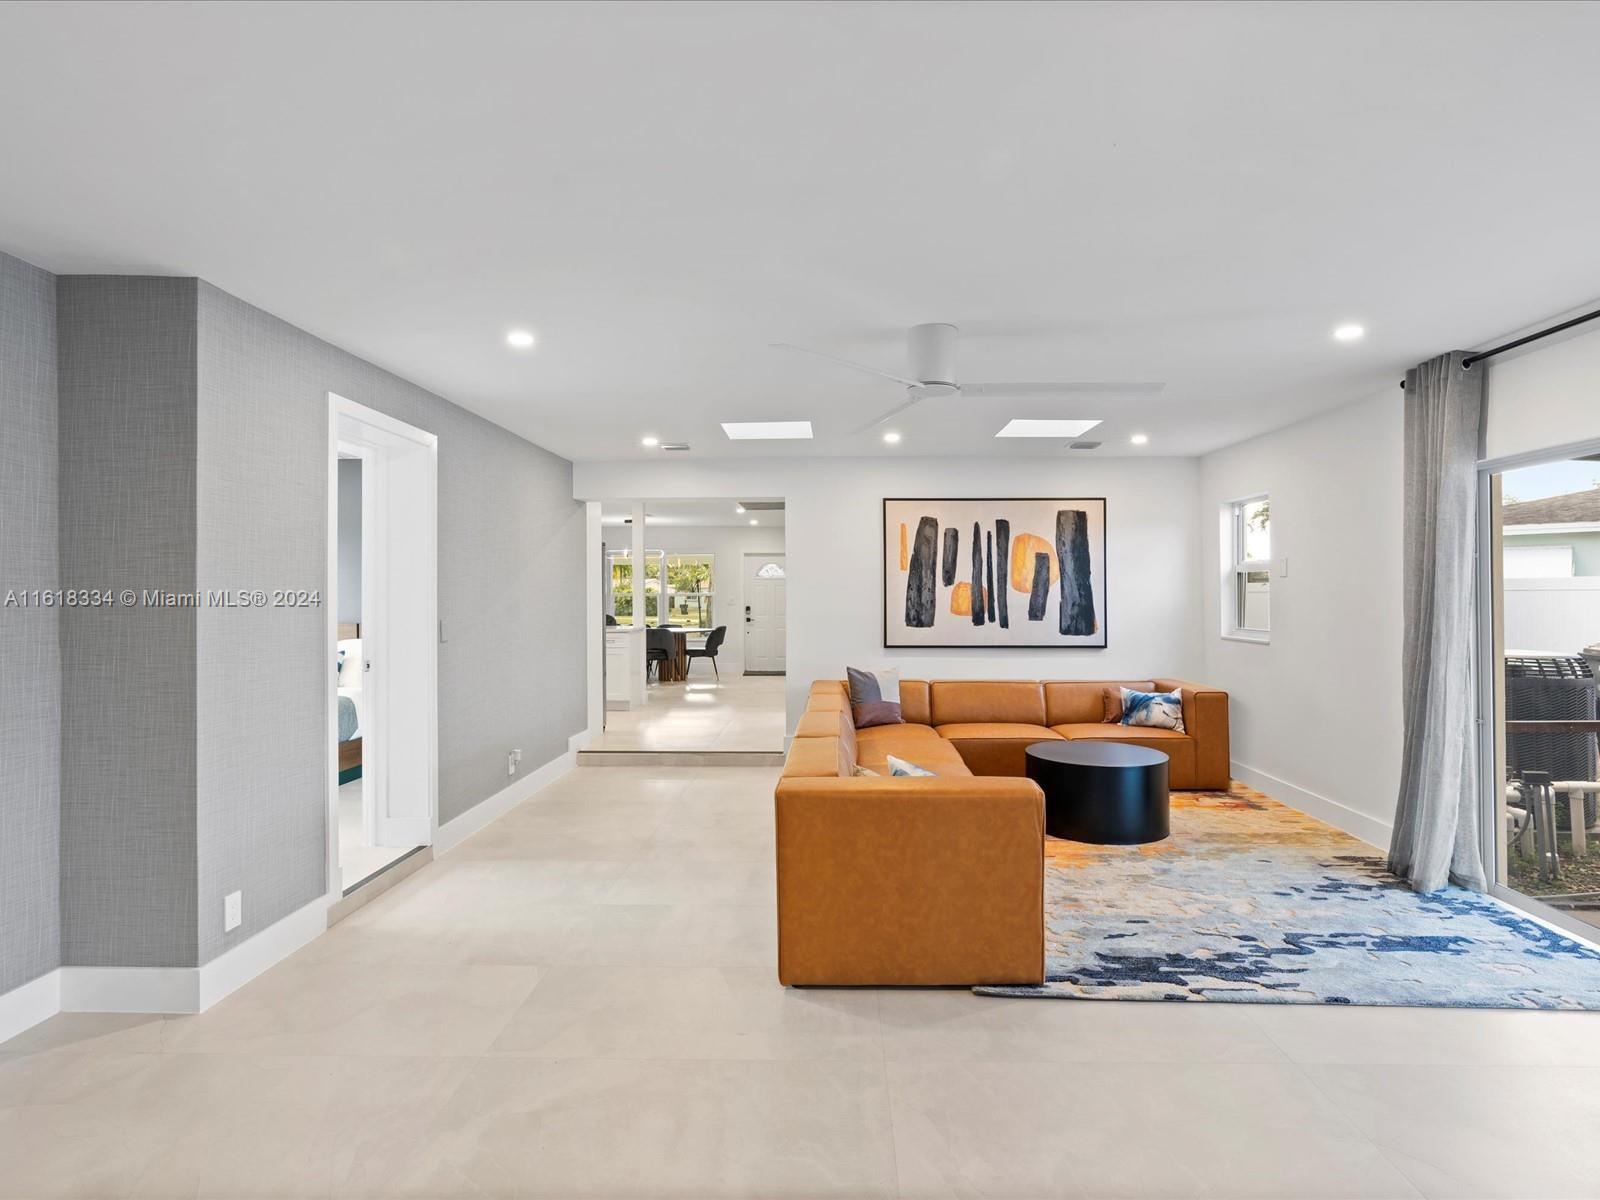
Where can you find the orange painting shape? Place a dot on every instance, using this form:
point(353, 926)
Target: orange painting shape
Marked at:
point(1023, 547)
point(905, 559)
point(961, 599)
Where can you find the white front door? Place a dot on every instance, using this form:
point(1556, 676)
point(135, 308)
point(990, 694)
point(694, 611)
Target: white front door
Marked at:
point(764, 614)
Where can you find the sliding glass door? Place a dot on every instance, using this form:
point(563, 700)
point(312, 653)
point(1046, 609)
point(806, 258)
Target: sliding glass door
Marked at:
point(1540, 686)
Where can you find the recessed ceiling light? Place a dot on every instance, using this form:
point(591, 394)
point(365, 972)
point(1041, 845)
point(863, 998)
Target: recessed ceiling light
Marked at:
point(1022, 427)
point(753, 521)
point(1349, 333)
point(521, 339)
point(739, 508)
point(749, 430)
point(892, 438)
point(650, 441)
point(1139, 439)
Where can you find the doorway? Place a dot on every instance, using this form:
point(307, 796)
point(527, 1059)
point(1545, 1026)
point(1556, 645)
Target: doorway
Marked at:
point(383, 634)
point(689, 589)
point(1540, 609)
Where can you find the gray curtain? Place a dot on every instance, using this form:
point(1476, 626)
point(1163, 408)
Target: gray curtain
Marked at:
point(1436, 819)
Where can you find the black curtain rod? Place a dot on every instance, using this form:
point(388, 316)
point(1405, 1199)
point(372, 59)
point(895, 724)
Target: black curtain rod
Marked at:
point(1523, 341)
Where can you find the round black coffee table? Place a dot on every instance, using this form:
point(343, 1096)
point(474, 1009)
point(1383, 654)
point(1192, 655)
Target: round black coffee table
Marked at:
point(1102, 792)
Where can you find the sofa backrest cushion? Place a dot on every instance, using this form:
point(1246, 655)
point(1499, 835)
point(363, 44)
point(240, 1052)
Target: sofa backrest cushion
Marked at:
point(1080, 702)
point(973, 701)
point(914, 708)
point(819, 757)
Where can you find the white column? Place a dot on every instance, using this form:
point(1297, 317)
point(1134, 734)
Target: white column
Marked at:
point(638, 572)
point(594, 600)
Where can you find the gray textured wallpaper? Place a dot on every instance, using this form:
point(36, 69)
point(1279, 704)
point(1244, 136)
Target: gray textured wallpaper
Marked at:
point(511, 555)
point(127, 488)
point(30, 666)
point(158, 434)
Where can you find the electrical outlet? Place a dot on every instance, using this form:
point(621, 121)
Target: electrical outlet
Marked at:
point(513, 761)
point(232, 911)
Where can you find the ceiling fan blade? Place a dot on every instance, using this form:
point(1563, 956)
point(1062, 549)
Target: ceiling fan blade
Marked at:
point(844, 362)
point(1080, 388)
point(893, 412)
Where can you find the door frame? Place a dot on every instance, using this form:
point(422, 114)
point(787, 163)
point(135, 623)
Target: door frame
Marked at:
point(1488, 688)
point(364, 430)
point(744, 576)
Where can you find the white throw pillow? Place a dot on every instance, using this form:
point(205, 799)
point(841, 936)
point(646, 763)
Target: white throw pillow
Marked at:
point(899, 766)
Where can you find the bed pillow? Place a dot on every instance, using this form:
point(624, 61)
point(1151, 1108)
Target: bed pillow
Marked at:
point(350, 661)
point(900, 767)
point(874, 697)
point(1153, 710)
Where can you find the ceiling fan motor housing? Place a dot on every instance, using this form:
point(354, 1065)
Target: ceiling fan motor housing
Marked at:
point(932, 351)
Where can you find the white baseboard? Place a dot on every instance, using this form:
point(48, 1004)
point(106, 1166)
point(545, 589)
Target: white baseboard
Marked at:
point(192, 989)
point(232, 969)
point(130, 989)
point(26, 1005)
point(1369, 829)
point(458, 829)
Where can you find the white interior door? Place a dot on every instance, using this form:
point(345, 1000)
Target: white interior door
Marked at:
point(765, 614)
point(400, 630)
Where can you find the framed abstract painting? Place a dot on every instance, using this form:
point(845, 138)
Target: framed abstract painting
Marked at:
point(994, 573)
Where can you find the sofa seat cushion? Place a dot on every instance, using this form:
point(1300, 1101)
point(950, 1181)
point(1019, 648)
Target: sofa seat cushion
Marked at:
point(996, 747)
point(1179, 747)
point(914, 743)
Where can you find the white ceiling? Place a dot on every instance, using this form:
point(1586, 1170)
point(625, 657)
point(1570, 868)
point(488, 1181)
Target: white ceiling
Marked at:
point(1188, 193)
point(690, 513)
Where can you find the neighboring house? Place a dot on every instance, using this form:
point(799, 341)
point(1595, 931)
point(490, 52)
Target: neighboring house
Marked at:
point(1554, 538)
point(1552, 573)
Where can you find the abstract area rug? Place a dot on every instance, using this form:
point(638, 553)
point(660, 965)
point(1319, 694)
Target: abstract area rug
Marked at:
point(1253, 902)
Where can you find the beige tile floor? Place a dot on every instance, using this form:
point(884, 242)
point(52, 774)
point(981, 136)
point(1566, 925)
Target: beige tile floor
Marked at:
point(737, 712)
point(580, 1001)
point(357, 860)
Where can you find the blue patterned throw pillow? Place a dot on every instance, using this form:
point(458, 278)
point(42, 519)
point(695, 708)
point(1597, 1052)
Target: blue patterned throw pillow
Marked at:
point(1154, 710)
point(899, 766)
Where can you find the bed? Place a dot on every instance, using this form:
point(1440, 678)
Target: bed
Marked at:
point(348, 666)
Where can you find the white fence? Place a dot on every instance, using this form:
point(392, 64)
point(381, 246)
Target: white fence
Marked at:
point(1552, 616)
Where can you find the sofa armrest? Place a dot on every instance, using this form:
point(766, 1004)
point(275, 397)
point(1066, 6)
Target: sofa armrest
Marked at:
point(1205, 719)
point(910, 881)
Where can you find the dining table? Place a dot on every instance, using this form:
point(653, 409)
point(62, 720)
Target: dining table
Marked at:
point(676, 668)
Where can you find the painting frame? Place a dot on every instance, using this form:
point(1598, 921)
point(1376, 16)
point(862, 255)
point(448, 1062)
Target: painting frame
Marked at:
point(895, 581)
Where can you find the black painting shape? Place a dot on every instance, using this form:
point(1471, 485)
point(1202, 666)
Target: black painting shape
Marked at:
point(922, 593)
point(977, 576)
point(952, 543)
point(1077, 588)
point(1040, 596)
point(1002, 555)
point(988, 573)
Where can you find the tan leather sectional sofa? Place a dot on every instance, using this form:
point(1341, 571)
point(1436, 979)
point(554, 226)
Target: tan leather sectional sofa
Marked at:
point(940, 881)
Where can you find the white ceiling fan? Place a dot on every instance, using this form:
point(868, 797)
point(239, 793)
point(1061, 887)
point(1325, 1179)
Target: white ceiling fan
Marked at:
point(931, 350)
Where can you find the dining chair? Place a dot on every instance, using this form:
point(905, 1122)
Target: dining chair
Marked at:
point(709, 650)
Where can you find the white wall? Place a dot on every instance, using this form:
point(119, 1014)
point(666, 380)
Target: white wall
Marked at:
point(729, 544)
point(834, 547)
point(1316, 712)
point(1547, 394)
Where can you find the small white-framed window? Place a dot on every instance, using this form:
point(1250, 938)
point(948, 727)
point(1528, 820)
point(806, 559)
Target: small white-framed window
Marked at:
point(1247, 569)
